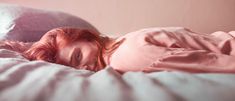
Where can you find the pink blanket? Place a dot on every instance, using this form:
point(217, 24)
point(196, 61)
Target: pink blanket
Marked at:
point(175, 49)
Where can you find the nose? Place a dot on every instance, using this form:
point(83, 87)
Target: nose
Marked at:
point(89, 67)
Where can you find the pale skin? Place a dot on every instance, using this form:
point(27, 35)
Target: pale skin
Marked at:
point(79, 54)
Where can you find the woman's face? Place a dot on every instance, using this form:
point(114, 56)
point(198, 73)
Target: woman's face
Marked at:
point(81, 54)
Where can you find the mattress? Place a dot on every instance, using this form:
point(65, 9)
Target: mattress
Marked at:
point(23, 80)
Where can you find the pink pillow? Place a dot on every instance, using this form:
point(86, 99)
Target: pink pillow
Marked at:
point(28, 24)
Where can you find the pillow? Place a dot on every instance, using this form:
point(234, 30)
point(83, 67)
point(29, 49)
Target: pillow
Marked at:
point(29, 24)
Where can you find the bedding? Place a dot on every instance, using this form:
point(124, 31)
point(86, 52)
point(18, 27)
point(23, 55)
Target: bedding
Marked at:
point(29, 24)
point(23, 80)
point(174, 49)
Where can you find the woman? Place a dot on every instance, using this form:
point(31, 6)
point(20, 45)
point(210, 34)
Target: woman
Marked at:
point(148, 50)
point(78, 48)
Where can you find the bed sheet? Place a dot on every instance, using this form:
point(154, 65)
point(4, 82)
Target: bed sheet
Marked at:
point(23, 80)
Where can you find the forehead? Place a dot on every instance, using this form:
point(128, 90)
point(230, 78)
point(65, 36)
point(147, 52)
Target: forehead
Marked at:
point(66, 45)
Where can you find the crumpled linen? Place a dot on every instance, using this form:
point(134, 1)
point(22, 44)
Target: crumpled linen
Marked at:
point(175, 49)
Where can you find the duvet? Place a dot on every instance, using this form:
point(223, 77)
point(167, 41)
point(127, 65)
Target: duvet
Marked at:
point(23, 80)
point(175, 49)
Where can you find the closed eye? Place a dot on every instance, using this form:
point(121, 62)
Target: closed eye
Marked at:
point(76, 57)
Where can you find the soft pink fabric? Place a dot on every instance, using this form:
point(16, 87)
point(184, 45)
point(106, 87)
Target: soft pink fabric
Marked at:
point(175, 48)
point(29, 24)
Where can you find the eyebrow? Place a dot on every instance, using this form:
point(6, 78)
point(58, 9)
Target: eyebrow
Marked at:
point(71, 57)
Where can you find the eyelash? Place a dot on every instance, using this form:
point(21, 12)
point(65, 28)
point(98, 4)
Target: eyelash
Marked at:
point(78, 57)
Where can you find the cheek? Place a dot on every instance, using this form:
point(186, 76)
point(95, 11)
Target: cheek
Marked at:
point(91, 53)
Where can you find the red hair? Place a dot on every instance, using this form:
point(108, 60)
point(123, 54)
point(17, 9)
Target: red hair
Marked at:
point(47, 47)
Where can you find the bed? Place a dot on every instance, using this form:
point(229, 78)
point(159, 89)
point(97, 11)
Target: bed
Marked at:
point(24, 80)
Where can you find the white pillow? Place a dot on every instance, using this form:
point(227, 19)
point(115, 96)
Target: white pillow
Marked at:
point(29, 24)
